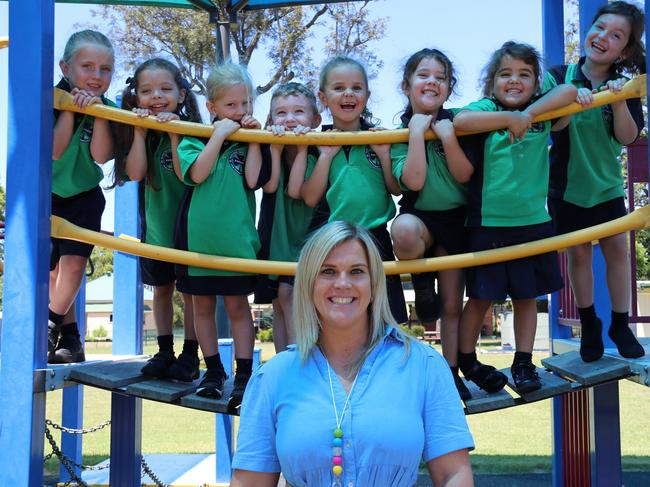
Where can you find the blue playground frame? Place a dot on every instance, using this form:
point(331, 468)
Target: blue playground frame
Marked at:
point(23, 352)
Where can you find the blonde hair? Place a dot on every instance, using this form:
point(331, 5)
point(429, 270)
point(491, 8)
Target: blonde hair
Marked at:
point(225, 76)
point(85, 38)
point(312, 256)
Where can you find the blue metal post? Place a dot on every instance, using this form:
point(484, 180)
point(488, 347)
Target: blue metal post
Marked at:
point(73, 399)
point(224, 425)
point(27, 243)
point(601, 294)
point(126, 412)
point(605, 438)
point(587, 10)
point(553, 43)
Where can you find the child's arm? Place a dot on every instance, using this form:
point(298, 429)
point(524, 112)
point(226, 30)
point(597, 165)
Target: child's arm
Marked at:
point(297, 173)
point(101, 144)
point(625, 128)
point(459, 165)
point(383, 152)
point(415, 166)
point(254, 154)
point(63, 130)
point(313, 189)
point(136, 159)
point(175, 139)
point(200, 170)
point(271, 185)
point(557, 97)
point(486, 121)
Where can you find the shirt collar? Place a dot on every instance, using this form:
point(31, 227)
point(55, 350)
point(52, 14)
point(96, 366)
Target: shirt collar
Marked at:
point(578, 75)
point(443, 114)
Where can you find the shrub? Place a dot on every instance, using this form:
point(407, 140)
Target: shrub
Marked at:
point(265, 335)
point(413, 330)
point(100, 332)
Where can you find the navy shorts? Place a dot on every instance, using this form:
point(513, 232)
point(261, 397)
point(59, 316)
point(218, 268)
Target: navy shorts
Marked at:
point(266, 289)
point(568, 217)
point(84, 210)
point(446, 227)
point(216, 285)
point(520, 279)
point(157, 272)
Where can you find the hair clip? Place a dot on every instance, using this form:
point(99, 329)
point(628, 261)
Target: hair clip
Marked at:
point(130, 80)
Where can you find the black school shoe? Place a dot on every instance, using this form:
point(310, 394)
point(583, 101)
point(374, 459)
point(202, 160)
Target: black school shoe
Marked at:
point(185, 368)
point(463, 391)
point(237, 394)
point(525, 377)
point(68, 350)
point(157, 365)
point(212, 384)
point(53, 331)
point(428, 304)
point(486, 377)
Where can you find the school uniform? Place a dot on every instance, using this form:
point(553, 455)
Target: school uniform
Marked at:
point(507, 206)
point(441, 203)
point(357, 194)
point(76, 195)
point(283, 228)
point(217, 217)
point(159, 202)
point(586, 181)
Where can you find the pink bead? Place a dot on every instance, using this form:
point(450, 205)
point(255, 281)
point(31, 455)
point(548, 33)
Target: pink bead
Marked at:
point(337, 460)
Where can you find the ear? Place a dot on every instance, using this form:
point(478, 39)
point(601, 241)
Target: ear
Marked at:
point(64, 68)
point(405, 88)
point(181, 96)
point(316, 121)
point(322, 98)
point(211, 108)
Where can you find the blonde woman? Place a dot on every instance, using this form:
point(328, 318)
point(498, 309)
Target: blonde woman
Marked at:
point(355, 402)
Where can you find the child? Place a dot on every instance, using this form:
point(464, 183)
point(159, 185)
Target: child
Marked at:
point(157, 88)
point(217, 216)
point(432, 211)
point(284, 218)
point(586, 184)
point(79, 142)
point(507, 206)
point(357, 181)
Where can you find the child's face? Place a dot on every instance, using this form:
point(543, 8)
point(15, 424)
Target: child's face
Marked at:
point(345, 94)
point(90, 69)
point(514, 82)
point(233, 103)
point(158, 91)
point(291, 111)
point(606, 39)
point(428, 86)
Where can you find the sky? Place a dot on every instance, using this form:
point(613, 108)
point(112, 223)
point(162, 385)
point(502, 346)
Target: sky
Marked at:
point(468, 31)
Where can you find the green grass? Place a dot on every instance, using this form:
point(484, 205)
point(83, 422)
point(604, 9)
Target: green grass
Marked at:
point(515, 440)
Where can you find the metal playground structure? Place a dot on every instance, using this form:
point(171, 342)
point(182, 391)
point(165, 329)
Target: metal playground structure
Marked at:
point(585, 406)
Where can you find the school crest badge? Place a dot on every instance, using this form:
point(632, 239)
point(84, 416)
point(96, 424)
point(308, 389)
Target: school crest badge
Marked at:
point(86, 133)
point(372, 158)
point(236, 160)
point(166, 160)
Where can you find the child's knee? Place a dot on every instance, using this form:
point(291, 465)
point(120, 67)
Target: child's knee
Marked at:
point(237, 308)
point(405, 233)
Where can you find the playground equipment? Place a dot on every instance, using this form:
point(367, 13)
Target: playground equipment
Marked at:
point(586, 435)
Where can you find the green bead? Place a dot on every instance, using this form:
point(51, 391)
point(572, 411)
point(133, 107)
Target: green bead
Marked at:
point(338, 433)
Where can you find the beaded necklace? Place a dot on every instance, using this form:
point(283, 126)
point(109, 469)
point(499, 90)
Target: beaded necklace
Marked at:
point(337, 441)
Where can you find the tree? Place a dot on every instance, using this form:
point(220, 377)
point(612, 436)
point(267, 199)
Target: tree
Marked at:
point(100, 263)
point(188, 38)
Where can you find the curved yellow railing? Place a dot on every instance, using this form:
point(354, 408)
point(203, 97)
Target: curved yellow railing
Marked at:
point(4, 42)
point(638, 219)
point(63, 101)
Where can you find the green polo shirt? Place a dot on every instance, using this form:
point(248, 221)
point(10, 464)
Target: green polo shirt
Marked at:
point(585, 164)
point(162, 197)
point(357, 192)
point(510, 180)
point(221, 214)
point(440, 191)
point(75, 171)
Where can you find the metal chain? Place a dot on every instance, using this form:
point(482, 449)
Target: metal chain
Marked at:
point(74, 431)
point(147, 470)
point(65, 461)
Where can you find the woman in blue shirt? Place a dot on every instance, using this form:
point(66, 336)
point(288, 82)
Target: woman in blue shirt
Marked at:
point(355, 402)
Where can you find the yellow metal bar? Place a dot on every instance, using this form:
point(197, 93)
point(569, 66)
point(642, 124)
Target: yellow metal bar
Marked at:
point(63, 101)
point(4, 42)
point(638, 219)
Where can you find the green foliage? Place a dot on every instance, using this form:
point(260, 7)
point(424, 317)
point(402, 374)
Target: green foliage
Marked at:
point(413, 330)
point(179, 309)
point(187, 37)
point(100, 332)
point(100, 263)
point(265, 335)
point(642, 260)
